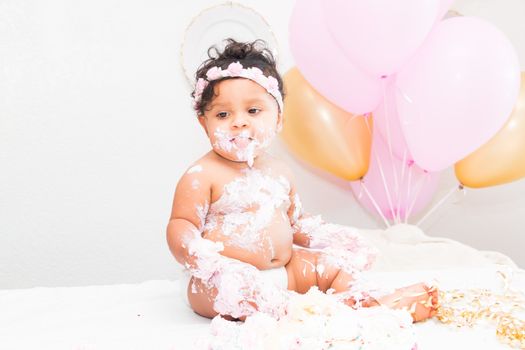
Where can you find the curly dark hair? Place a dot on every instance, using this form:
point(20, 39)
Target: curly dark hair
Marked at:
point(249, 54)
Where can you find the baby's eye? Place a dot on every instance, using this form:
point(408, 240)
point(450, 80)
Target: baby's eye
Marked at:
point(254, 110)
point(222, 115)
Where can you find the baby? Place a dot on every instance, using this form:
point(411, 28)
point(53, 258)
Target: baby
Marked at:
point(236, 215)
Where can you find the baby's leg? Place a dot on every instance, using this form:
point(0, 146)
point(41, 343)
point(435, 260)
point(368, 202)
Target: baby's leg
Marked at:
point(302, 274)
point(305, 270)
point(419, 299)
point(201, 298)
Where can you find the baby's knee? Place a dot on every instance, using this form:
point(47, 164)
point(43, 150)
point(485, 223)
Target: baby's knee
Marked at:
point(201, 299)
point(203, 309)
point(301, 271)
point(342, 281)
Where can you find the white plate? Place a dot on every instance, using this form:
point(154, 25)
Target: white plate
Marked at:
point(213, 25)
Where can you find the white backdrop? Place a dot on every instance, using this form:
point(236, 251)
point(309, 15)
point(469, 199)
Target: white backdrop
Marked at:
point(96, 127)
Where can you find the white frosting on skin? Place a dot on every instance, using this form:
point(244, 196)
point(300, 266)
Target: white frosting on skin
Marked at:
point(362, 289)
point(341, 246)
point(241, 290)
point(243, 146)
point(195, 184)
point(202, 211)
point(245, 209)
point(298, 208)
point(247, 206)
point(194, 169)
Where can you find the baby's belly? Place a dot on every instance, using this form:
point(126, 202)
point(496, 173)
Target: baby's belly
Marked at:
point(265, 247)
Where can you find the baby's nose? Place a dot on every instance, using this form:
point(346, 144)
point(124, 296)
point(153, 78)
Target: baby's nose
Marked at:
point(240, 122)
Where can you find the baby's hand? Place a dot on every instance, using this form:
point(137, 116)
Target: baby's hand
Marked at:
point(323, 235)
point(235, 282)
point(344, 237)
point(343, 247)
point(347, 260)
point(242, 292)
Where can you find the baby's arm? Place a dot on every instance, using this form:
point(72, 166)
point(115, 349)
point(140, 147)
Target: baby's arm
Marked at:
point(297, 216)
point(342, 245)
point(190, 205)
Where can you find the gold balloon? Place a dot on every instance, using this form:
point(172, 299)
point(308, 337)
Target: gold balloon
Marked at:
point(323, 134)
point(502, 159)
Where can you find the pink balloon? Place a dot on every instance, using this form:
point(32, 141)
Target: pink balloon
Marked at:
point(444, 6)
point(408, 188)
point(387, 124)
point(380, 35)
point(457, 92)
point(324, 65)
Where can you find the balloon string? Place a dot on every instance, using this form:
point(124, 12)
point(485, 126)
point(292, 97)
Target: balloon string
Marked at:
point(403, 167)
point(389, 141)
point(401, 181)
point(374, 203)
point(397, 194)
point(456, 187)
point(421, 184)
point(350, 118)
point(382, 176)
point(366, 115)
point(409, 186)
point(387, 191)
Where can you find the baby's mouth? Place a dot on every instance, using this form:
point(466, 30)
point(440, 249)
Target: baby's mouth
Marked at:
point(241, 141)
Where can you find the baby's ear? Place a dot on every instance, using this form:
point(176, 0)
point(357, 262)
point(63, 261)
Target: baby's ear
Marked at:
point(280, 120)
point(202, 122)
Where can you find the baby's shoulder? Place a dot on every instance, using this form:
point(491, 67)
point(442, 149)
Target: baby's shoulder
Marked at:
point(204, 166)
point(198, 174)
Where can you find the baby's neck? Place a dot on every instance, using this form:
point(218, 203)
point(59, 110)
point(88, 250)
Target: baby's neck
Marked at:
point(241, 165)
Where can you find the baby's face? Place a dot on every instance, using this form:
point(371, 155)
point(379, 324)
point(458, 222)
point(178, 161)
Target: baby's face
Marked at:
point(241, 120)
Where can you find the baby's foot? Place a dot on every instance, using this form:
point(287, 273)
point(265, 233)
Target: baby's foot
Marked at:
point(419, 299)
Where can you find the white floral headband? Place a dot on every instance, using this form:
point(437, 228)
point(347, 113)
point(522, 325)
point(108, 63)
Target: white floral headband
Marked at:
point(235, 69)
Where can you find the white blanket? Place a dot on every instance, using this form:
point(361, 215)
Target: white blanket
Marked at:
point(151, 315)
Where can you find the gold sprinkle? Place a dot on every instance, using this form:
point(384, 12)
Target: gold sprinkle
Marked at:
point(462, 308)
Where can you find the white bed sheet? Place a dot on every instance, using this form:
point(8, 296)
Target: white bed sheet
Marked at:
point(151, 315)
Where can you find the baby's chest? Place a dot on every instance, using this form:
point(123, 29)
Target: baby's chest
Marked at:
point(253, 192)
